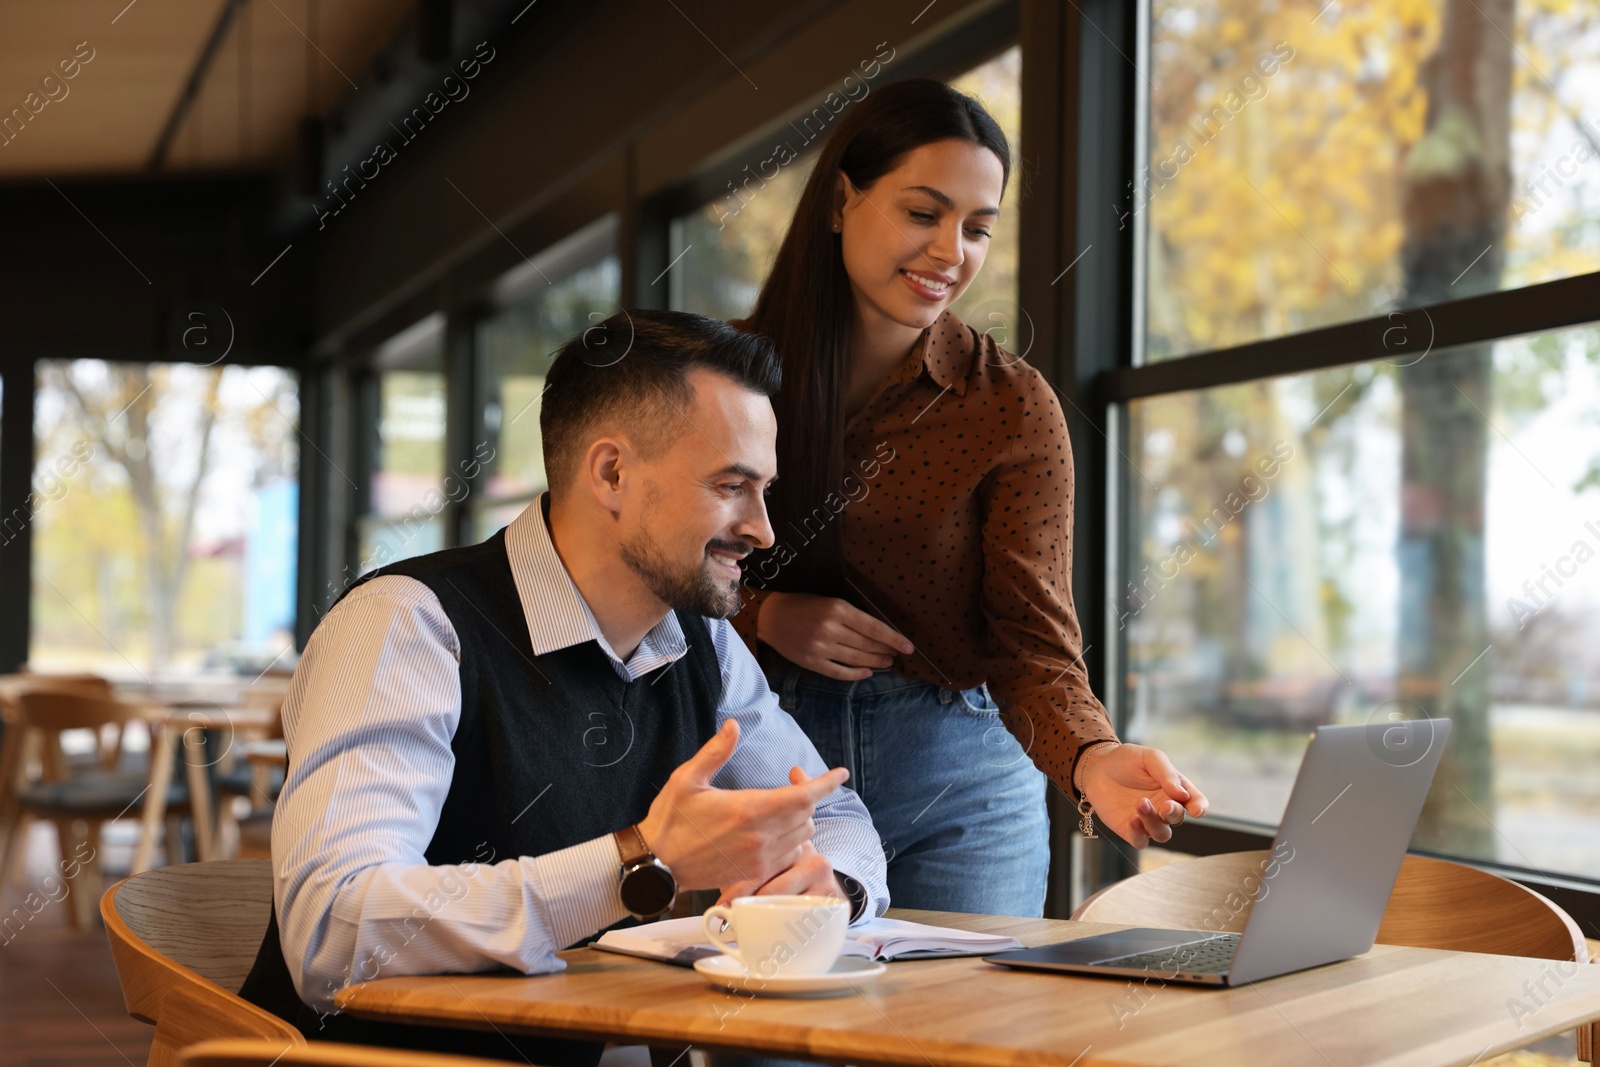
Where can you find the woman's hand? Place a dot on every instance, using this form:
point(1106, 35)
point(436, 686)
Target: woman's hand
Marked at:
point(1138, 793)
point(827, 635)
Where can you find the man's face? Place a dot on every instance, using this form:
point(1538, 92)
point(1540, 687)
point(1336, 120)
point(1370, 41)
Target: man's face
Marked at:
point(700, 505)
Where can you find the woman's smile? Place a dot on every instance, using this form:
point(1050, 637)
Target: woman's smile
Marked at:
point(933, 287)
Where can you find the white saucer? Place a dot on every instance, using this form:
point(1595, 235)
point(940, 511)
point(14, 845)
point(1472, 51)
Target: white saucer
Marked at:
point(845, 973)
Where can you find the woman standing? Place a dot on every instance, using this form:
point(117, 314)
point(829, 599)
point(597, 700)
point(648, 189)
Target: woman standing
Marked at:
point(915, 615)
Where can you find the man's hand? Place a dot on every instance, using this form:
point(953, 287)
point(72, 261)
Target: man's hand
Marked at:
point(1138, 793)
point(810, 875)
point(715, 837)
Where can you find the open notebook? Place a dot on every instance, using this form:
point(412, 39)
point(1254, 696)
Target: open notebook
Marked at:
point(681, 941)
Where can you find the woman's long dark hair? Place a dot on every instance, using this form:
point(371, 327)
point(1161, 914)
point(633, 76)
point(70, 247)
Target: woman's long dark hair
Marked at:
point(807, 308)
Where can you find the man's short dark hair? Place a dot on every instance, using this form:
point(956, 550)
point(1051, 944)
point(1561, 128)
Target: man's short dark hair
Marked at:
point(631, 370)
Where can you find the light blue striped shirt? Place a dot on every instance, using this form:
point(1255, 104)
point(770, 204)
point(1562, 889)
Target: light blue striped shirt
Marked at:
point(369, 718)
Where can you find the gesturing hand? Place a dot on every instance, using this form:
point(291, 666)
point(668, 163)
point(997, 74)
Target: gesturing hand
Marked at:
point(1138, 794)
point(811, 874)
point(830, 636)
point(715, 837)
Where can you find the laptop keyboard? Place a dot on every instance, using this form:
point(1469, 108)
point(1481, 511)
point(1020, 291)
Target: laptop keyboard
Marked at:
point(1212, 956)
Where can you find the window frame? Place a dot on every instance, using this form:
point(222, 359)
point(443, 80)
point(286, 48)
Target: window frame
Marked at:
point(1108, 163)
point(586, 247)
point(405, 350)
point(19, 392)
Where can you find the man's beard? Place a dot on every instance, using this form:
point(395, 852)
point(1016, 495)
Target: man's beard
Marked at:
point(683, 588)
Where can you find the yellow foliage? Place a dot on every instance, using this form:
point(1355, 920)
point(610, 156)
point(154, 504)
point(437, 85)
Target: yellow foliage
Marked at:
point(1295, 197)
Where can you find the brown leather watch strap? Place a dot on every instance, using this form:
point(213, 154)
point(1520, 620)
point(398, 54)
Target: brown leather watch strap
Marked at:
point(631, 845)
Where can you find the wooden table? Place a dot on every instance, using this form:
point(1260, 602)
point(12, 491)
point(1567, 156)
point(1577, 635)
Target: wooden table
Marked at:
point(250, 710)
point(1390, 1007)
point(173, 731)
point(268, 754)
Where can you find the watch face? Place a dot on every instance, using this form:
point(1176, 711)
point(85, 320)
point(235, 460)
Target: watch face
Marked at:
point(648, 890)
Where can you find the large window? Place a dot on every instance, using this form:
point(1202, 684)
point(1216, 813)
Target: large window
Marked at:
point(721, 253)
point(542, 305)
point(1401, 530)
point(990, 302)
point(1368, 541)
point(166, 517)
point(405, 440)
point(1312, 162)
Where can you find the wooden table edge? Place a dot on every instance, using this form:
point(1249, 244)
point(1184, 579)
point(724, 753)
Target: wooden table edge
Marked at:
point(837, 1047)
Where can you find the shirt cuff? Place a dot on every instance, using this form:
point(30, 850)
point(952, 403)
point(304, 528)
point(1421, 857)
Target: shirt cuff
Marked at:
point(1053, 731)
point(579, 889)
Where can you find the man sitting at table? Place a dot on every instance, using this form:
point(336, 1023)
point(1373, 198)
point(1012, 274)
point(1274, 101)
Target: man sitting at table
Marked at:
point(497, 751)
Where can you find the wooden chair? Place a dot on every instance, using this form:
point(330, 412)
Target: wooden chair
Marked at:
point(183, 939)
point(1435, 904)
point(68, 794)
point(108, 743)
point(237, 1053)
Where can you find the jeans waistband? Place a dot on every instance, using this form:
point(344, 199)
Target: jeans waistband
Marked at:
point(786, 678)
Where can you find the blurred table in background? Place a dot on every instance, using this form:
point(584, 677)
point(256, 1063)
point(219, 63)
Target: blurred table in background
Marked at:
point(210, 719)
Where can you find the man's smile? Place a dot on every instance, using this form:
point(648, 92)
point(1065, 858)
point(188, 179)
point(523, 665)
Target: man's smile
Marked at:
point(727, 559)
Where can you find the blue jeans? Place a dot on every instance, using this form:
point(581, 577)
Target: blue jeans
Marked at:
point(959, 805)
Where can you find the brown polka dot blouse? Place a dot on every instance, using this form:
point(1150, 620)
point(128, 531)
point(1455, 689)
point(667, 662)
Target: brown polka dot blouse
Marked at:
point(960, 536)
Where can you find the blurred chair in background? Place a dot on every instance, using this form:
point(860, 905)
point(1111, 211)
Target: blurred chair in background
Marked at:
point(80, 796)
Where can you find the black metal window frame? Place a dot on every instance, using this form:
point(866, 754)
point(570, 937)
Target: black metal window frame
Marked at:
point(1113, 39)
point(360, 379)
point(586, 247)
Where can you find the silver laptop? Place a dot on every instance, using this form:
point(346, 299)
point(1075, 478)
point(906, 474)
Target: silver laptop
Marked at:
point(1320, 894)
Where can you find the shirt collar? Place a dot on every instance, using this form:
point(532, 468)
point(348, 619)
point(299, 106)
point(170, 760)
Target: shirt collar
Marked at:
point(947, 352)
point(557, 615)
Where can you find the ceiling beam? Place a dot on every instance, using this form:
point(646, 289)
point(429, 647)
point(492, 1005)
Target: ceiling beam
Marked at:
point(195, 82)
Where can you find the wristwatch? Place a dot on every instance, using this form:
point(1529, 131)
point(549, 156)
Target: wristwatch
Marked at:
point(855, 892)
point(648, 888)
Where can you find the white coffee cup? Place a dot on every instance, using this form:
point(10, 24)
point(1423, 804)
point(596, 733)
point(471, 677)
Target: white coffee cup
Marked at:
point(781, 935)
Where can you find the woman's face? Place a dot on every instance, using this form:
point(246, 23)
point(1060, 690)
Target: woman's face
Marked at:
point(915, 240)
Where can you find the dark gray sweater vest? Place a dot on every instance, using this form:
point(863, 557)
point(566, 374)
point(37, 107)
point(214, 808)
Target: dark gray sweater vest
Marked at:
point(550, 751)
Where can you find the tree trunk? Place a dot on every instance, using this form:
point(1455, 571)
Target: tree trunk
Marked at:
point(137, 462)
point(166, 553)
point(1456, 194)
